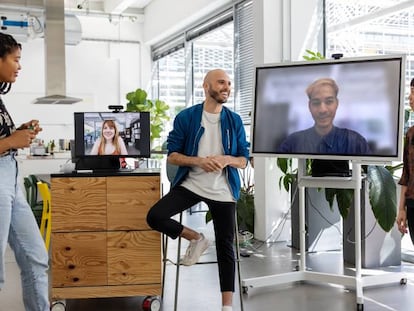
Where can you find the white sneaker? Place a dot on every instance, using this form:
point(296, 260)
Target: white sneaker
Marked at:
point(194, 251)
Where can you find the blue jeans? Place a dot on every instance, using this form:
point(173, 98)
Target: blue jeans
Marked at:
point(18, 227)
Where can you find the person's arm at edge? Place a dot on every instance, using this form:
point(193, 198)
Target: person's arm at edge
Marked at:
point(20, 138)
point(402, 212)
point(401, 219)
point(5, 144)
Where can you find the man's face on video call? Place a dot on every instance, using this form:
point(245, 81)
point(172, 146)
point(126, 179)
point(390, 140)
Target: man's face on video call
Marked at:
point(322, 105)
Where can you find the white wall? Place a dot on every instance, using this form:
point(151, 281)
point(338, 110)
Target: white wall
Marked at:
point(100, 72)
point(277, 37)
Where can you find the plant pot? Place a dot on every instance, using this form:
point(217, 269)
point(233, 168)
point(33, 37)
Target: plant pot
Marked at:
point(323, 225)
point(378, 248)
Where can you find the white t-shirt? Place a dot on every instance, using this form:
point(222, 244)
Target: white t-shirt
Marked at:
point(212, 185)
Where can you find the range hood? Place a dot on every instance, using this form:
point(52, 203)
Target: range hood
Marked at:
point(55, 58)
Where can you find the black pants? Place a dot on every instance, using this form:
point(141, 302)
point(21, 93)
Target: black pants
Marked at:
point(410, 217)
point(222, 213)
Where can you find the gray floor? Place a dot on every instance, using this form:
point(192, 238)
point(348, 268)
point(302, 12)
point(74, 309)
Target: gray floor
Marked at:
point(199, 284)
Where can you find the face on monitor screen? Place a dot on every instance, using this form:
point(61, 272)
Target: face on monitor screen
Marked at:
point(112, 134)
point(347, 109)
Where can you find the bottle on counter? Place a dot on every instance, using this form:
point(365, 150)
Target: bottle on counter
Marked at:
point(51, 147)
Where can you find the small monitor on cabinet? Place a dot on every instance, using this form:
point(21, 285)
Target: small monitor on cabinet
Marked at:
point(104, 139)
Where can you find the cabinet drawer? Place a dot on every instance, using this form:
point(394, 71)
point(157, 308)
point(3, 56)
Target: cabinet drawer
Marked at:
point(134, 257)
point(129, 199)
point(80, 204)
point(79, 259)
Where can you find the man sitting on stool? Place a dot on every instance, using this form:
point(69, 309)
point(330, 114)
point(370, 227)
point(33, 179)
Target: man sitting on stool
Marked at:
point(208, 143)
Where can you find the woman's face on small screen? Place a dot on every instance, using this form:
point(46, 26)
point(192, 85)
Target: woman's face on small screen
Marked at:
point(108, 132)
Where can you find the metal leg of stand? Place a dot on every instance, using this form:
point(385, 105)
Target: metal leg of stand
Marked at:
point(302, 228)
point(177, 271)
point(358, 282)
point(357, 210)
point(164, 261)
point(236, 229)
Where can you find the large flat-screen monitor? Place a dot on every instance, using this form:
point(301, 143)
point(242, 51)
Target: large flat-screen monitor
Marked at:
point(102, 138)
point(347, 109)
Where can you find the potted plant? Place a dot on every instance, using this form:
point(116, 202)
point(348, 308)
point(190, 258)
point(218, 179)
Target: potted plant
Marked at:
point(138, 101)
point(382, 191)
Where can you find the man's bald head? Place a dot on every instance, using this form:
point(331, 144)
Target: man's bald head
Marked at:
point(217, 85)
point(213, 74)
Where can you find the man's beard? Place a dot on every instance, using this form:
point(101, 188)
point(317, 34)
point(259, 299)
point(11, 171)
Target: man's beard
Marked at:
point(216, 96)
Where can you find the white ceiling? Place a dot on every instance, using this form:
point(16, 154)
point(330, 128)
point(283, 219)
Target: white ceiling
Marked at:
point(82, 6)
point(108, 6)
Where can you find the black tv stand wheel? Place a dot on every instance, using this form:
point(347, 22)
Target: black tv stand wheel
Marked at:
point(360, 307)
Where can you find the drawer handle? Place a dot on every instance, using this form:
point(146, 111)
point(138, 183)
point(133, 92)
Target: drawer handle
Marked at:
point(67, 248)
point(75, 279)
point(71, 267)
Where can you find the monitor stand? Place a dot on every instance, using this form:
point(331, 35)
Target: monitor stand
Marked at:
point(98, 164)
point(323, 168)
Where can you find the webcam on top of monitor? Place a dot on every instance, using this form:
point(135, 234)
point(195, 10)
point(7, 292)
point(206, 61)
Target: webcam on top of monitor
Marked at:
point(337, 55)
point(116, 108)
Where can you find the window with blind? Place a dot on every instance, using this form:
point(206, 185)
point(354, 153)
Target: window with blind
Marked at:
point(243, 63)
point(224, 40)
point(210, 51)
point(363, 28)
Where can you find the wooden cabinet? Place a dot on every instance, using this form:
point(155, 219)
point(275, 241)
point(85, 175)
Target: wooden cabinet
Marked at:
point(101, 245)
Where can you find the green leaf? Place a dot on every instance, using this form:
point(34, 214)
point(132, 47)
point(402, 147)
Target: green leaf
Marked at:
point(330, 196)
point(382, 196)
point(245, 211)
point(407, 113)
point(140, 96)
point(131, 106)
point(208, 217)
point(137, 101)
point(344, 199)
point(310, 52)
point(282, 163)
point(161, 106)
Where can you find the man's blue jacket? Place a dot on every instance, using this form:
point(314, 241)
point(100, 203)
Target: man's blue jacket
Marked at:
point(186, 134)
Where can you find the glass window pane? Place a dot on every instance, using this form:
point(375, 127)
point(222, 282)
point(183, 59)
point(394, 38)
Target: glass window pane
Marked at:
point(211, 51)
point(363, 28)
point(171, 85)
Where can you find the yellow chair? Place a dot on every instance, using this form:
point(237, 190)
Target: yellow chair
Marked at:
point(46, 222)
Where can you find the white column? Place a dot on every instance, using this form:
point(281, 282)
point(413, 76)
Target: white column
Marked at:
point(276, 25)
